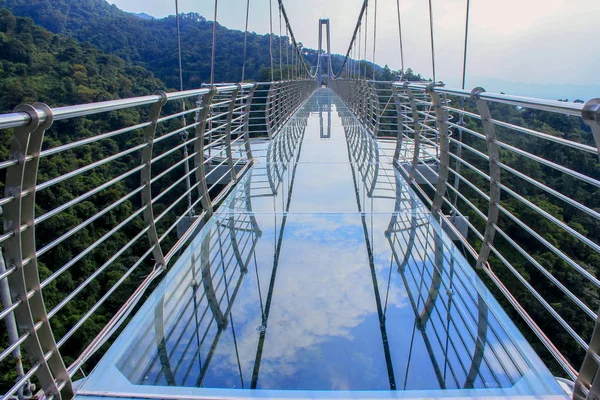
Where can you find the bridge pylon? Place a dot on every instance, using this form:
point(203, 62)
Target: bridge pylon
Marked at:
point(324, 59)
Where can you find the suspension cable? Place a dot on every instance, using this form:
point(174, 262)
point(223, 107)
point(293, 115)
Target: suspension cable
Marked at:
point(287, 53)
point(354, 36)
point(214, 45)
point(179, 46)
point(280, 48)
point(359, 50)
point(461, 120)
point(366, 38)
point(400, 41)
point(374, 35)
point(293, 62)
point(431, 35)
point(245, 39)
point(184, 133)
point(298, 49)
point(271, 38)
point(464, 72)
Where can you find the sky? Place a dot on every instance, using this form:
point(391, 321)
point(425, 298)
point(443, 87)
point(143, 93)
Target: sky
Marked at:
point(537, 42)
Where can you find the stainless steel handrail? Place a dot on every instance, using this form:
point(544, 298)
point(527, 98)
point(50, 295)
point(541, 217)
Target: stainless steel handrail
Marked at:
point(131, 192)
point(493, 190)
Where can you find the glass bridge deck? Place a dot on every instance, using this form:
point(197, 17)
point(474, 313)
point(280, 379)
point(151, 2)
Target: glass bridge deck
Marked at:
point(321, 275)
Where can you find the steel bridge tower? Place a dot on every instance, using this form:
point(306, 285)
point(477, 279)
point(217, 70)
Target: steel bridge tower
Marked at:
point(324, 59)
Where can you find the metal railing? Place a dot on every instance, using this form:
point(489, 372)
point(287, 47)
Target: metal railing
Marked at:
point(525, 180)
point(99, 199)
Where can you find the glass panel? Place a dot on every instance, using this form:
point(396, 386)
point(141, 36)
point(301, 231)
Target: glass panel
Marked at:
point(322, 273)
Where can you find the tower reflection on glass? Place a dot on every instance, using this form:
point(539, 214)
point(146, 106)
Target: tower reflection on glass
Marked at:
point(324, 107)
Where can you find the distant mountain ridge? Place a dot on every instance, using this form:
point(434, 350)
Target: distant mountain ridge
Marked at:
point(151, 42)
point(143, 15)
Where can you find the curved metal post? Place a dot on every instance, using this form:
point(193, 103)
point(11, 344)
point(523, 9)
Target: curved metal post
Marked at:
point(269, 109)
point(399, 124)
point(376, 109)
point(30, 314)
point(416, 132)
point(201, 116)
point(494, 156)
point(591, 116)
point(441, 116)
point(247, 109)
point(589, 374)
point(228, 151)
point(146, 179)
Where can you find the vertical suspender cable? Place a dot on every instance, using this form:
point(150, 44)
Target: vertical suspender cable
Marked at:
point(184, 134)
point(245, 39)
point(400, 41)
point(287, 52)
point(356, 59)
point(359, 48)
point(374, 36)
point(214, 45)
point(461, 120)
point(280, 49)
point(464, 72)
point(431, 35)
point(353, 59)
point(366, 36)
point(293, 64)
point(271, 38)
point(179, 46)
point(358, 52)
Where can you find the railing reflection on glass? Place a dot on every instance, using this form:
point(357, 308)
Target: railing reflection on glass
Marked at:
point(99, 199)
point(527, 193)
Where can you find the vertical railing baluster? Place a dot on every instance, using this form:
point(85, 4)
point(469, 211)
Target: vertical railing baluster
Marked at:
point(441, 116)
point(589, 374)
point(228, 152)
point(205, 102)
point(146, 179)
point(416, 132)
point(20, 250)
point(247, 109)
point(269, 111)
point(591, 116)
point(377, 111)
point(489, 131)
point(400, 130)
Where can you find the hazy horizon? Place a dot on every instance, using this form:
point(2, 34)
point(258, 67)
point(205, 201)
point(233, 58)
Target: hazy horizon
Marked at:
point(531, 41)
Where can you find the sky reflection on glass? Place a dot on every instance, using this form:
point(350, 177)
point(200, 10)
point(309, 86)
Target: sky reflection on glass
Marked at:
point(322, 271)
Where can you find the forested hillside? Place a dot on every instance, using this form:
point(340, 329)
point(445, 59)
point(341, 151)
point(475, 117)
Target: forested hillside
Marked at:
point(36, 65)
point(152, 43)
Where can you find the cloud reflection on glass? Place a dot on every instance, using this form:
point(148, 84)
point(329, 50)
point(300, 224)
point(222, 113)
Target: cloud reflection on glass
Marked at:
point(323, 270)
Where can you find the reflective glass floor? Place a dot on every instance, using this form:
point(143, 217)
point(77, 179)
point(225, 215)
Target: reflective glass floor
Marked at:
point(321, 275)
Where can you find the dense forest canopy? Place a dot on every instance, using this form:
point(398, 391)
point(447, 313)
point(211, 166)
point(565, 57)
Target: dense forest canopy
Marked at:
point(152, 43)
point(36, 65)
